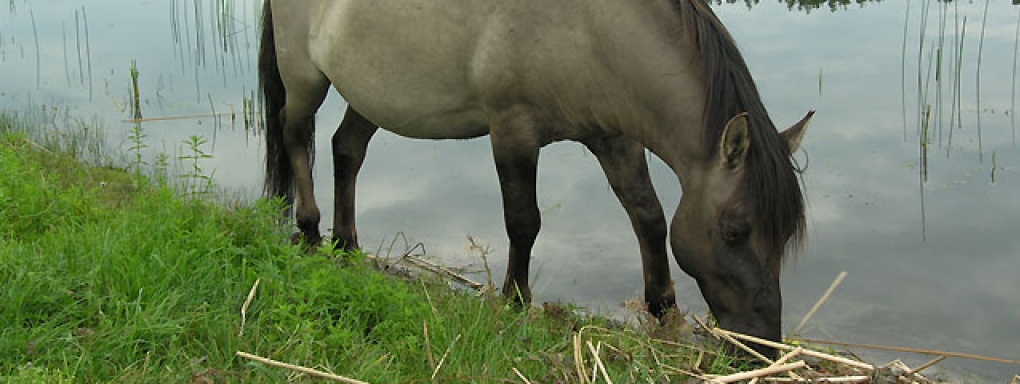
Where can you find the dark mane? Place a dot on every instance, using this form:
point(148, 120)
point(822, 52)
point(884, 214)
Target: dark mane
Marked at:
point(770, 181)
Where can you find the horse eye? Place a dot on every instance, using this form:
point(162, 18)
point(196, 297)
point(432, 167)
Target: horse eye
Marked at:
point(735, 233)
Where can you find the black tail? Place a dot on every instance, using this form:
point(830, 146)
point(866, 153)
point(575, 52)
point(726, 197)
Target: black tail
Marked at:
point(279, 173)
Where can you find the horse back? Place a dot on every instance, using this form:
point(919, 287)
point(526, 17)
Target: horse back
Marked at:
point(429, 69)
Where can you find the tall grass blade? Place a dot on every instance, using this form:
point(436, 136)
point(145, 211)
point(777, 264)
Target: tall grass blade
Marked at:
point(958, 92)
point(820, 74)
point(187, 33)
point(200, 60)
point(247, 36)
point(88, 48)
point(920, 59)
point(1012, 97)
point(903, 71)
point(922, 177)
point(956, 64)
point(63, 34)
point(175, 33)
point(77, 41)
point(994, 165)
point(38, 57)
point(981, 46)
point(926, 109)
point(943, 11)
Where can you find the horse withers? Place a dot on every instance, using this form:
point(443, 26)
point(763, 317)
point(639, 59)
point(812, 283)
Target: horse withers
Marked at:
point(619, 77)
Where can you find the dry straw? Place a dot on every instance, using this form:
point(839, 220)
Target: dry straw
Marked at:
point(590, 343)
point(298, 368)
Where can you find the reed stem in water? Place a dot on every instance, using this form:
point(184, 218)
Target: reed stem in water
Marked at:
point(1012, 97)
point(136, 106)
point(981, 46)
point(38, 59)
point(903, 71)
point(88, 48)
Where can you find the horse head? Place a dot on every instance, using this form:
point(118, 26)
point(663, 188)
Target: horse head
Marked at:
point(722, 236)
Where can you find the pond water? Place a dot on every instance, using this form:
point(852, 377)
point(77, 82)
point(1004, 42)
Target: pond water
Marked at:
point(932, 264)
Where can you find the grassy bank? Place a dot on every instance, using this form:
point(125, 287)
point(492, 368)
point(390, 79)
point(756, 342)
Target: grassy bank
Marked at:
point(109, 277)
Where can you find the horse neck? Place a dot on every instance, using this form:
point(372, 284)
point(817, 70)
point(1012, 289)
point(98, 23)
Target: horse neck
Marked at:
point(663, 97)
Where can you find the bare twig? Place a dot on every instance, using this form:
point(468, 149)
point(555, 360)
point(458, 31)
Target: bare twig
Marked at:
point(579, 358)
point(298, 368)
point(435, 268)
point(521, 376)
point(924, 366)
point(760, 372)
point(782, 360)
point(389, 251)
point(484, 251)
point(808, 352)
point(697, 363)
point(702, 323)
point(822, 300)
point(598, 363)
point(930, 352)
point(166, 118)
point(838, 379)
point(742, 346)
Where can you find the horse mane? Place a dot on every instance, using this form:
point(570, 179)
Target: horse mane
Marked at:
point(770, 183)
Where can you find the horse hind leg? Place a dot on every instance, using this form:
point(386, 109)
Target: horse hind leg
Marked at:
point(623, 161)
point(350, 143)
point(304, 96)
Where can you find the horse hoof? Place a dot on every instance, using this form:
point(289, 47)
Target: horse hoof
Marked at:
point(297, 238)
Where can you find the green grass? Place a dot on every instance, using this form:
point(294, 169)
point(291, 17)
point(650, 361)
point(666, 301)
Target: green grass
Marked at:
point(109, 278)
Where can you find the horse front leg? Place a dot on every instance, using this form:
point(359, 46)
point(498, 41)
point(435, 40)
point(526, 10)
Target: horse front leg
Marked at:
point(350, 143)
point(623, 161)
point(515, 151)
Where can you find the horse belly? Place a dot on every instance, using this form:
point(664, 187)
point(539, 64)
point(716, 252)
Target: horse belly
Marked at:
point(399, 68)
point(453, 124)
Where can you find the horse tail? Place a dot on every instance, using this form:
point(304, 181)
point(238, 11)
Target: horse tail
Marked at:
point(279, 177)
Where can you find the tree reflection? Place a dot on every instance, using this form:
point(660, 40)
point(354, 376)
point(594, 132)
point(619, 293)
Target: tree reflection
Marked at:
point(806, 5)
point(810, 5)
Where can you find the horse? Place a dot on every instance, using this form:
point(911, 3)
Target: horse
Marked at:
point(619, 77)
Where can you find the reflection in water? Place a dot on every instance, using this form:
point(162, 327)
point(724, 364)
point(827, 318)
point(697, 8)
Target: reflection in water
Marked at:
point(214, 33)
point(832, 5)
point(943, 66)
point(806, 5)
point(883, 71)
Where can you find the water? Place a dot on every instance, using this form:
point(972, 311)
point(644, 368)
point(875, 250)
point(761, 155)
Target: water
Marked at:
point(947, 281)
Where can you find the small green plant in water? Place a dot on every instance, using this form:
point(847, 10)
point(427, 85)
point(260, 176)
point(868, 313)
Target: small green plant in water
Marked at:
point(249, 111)
point(196, 182)
point(162, 169)
point(137, 139)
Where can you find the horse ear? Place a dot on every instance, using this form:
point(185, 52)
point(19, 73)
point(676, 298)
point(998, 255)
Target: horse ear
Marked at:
point(794, 134)
point(735, 141)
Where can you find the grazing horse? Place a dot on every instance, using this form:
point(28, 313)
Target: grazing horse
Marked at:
point(618, 76)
